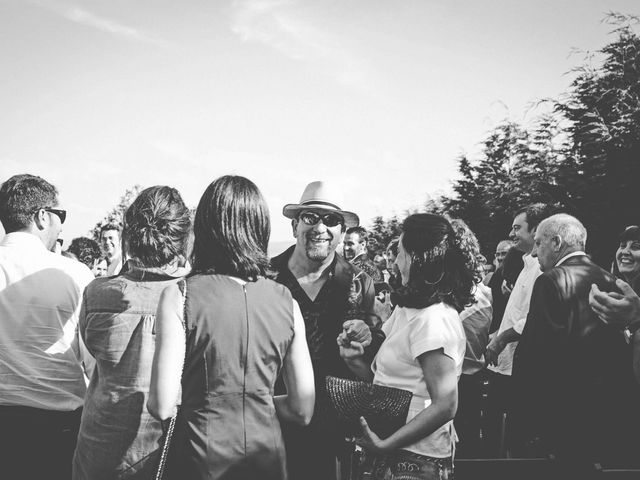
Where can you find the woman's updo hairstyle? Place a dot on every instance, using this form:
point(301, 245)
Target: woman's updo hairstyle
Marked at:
point(439, 271)
point(156, 226)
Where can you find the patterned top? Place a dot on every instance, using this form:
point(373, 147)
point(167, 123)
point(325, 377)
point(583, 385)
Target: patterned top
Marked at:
point(365, 264)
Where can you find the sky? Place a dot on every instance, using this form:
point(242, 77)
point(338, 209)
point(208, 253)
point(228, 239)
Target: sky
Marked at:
point(378, 97)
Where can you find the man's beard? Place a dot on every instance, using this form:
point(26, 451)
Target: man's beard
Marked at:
point(318, 252)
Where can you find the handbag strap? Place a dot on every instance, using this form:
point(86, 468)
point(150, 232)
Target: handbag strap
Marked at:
point(182, 285)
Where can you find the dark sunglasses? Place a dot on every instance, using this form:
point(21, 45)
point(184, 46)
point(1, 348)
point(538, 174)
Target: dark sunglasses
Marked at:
point(62, 214)
point(329, 219)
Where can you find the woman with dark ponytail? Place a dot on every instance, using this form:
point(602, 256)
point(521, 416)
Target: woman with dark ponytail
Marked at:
point(118, 437)
point(423, 352)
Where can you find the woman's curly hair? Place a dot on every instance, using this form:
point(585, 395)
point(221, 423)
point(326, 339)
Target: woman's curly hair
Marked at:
point(439, 271)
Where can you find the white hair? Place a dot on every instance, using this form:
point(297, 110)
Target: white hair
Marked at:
point(567, 227)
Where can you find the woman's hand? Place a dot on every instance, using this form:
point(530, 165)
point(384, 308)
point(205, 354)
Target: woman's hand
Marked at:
point(349, 349)
point(370, 441)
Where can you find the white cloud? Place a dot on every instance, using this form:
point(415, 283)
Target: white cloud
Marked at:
point(280, 25)
point(110, 26)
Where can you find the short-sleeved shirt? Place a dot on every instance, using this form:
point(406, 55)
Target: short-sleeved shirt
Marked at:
point(410, 333)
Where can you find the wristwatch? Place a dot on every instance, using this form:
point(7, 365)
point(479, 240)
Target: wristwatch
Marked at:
point(630, 330)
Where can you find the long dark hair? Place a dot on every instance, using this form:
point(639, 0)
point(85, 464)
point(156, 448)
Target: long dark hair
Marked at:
point(439, 271)
point(156, 226)
point(232, 229)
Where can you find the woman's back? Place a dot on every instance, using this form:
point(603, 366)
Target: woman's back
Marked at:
point(237, 337)
point(118, 436)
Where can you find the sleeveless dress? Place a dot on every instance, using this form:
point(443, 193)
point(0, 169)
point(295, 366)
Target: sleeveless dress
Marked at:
point(237, 337)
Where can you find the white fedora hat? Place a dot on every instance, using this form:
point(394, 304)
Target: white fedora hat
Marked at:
point(321, 196)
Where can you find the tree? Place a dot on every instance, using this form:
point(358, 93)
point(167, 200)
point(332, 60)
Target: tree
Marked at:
point(116, 215)
point(600, 177)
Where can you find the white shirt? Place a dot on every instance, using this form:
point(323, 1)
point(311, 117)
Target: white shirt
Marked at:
point(410, 333)
point(476, 320)
point(40, 297)
point(515, 313)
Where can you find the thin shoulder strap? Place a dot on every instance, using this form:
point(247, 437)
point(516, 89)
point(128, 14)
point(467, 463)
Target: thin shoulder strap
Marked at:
point(182, 285)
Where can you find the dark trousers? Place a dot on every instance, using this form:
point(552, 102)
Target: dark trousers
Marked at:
point(36, 443)
point(470, 420)
point(499, 399)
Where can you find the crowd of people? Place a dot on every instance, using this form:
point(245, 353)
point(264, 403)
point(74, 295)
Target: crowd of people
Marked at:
point(176, 346)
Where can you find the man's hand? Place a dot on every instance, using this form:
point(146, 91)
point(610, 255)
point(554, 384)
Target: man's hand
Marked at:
point(614, 308)
point(383, 308)
point(506, 289)
point(494, 349)
point(357, 331)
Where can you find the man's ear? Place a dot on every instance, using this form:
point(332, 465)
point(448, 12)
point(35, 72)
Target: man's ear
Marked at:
point(294, 226)
point(41, 219)
point(556, 242)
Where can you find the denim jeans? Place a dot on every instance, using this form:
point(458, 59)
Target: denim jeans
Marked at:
point(405, 465)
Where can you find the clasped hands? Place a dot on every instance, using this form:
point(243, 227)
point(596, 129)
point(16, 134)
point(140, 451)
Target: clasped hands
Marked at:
point(353, 339)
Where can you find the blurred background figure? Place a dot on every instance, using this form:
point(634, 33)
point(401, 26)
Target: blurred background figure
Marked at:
point(85, 250)
point(355, 251)
point(111, 247)
point(476, 319)
point(118, 437)
point(627, 262)
point(100, 267)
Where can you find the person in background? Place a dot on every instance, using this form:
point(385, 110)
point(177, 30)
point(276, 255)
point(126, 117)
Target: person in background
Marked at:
point(42, 371)
point(423, 352)
point(476, 319)
point(355, 251)
point(334, 296)
point(118, 437)
point(241, 331)
point(380, 262)
point(85, 250)
point(502, 282)
point(502, 344)
point(111, 247)
point(622, 308)
point(391, 253)
point(100, 267)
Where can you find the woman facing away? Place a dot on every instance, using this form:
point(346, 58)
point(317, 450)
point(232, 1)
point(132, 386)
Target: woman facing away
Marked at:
point(423, 352)
point(240, 330)
point(118, 437)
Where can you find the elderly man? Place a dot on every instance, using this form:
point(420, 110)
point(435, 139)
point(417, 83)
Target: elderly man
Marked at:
point(334, 297)
point(42, 383)
point(575, 391)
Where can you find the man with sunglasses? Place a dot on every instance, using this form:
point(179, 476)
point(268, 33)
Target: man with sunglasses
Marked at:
point(42, 383)
point(334, 296)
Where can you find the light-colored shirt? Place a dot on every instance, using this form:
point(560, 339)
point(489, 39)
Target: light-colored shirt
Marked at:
point(114, 266)
point(579, 253)
point(476, 320)
point(515, 313)
point(40, 297)
point(410, 332)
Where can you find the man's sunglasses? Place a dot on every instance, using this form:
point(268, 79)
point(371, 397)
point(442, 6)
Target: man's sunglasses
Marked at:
point(62, 214)
point(329, 219)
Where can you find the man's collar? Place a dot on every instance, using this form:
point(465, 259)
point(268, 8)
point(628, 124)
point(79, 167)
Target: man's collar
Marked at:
point(22, 239)
point(360, 256)
point(578, 253)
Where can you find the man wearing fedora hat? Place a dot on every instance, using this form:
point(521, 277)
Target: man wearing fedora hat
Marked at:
point(334, 296)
